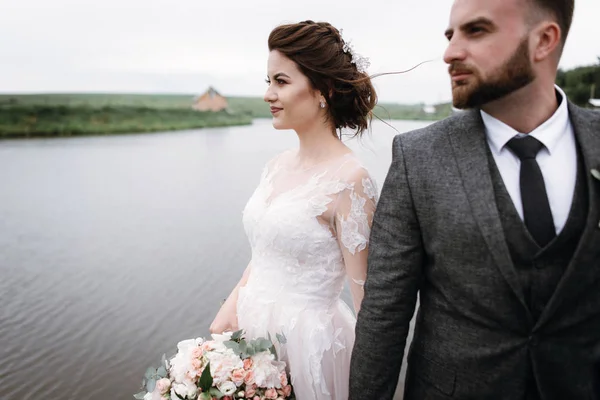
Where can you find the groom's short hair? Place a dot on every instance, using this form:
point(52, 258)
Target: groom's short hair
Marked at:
point(562, 10)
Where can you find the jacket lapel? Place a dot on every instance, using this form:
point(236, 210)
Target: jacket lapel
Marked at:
point(582, 271)
point(469, 144)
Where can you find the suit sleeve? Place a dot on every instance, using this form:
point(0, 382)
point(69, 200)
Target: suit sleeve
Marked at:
point(394, 273)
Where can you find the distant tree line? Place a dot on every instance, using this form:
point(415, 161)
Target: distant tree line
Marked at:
point(65, 120)
point(581, 83)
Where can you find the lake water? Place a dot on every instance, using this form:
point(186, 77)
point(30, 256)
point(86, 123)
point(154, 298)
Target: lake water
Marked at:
point(114, 248)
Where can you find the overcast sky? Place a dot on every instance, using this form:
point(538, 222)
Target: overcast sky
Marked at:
point(183, 46)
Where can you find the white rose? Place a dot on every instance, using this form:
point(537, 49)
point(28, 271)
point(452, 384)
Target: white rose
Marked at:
point(266, 372)
point(223, 337)
point(179, 388)
point(218, 346)
point(223, 364)
point(192, 391)
point(227, 388)
point(148, 396)
point(180, 364)
point(186, 346)
point(185, 389)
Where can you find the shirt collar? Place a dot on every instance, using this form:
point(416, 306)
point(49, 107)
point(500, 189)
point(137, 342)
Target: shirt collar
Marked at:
point(548, 133)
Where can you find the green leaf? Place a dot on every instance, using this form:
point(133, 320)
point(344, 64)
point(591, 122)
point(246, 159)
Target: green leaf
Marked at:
point(161, 372)
point(260, 345)
point(205, 396)
point(216, 393)
point(151, 384)
point(250, 351)
point(272, 348)
point(264, 345)
point(206, 379)
point(233, 346)
point(237, 335)
point(140, 395)
point(595, 173)
point(281, 338)
point(273, 351)
point(243, 346)
point(150, 373)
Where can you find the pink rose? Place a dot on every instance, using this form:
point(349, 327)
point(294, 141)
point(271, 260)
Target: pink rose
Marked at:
point(250, 391)
point(271, 394)
point(196, 364)
point(197, 352)
point(247, 363)
point(163, 385)
point(287, 390)
point(237, 376)
point(256, 398)
point(249, 378)
point(283, 379)
point(206, 346)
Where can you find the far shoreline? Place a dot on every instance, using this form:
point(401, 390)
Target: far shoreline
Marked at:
point(45, 121)
point(24, 116)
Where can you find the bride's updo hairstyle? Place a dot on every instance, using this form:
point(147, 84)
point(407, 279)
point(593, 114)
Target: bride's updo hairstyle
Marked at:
point(332, 68)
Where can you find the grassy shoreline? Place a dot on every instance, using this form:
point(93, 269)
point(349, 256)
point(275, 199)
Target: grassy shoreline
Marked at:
point(63, 121)
point(68, 114)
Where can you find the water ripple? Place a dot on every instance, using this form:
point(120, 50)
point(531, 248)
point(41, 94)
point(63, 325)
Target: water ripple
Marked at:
point(113, 249)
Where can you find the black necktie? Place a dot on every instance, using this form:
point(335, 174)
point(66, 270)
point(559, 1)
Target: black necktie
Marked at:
point(536, 208)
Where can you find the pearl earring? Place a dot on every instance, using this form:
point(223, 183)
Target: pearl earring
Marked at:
point(322, 104)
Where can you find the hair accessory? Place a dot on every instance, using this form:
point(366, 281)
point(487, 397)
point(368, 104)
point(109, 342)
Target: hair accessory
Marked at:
point(361, 62)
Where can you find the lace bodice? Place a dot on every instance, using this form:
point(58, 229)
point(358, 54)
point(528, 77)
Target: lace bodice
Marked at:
point(309, 228)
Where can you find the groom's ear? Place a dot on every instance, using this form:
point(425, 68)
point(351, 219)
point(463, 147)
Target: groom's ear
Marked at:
point(547, 41)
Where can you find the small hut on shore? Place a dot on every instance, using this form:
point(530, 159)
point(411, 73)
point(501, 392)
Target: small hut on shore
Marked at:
point(211, 100)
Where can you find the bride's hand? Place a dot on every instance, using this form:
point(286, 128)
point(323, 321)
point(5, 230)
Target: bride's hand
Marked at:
point(226, 319)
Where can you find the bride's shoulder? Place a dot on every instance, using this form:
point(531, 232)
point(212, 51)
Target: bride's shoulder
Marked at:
point(276, 161)
point(349, 173)
point(280, 157)
point(352, 168)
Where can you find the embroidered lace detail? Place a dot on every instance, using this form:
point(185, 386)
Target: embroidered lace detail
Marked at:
point(370, 188)
point(355, 226)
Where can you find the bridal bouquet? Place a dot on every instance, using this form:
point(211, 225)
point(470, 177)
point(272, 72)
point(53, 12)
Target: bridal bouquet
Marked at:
point(225, 368)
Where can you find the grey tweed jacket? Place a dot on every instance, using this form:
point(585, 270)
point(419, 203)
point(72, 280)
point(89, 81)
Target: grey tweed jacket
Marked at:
point(437, 233)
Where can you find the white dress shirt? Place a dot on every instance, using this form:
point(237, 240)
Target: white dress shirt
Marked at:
point(557, 159)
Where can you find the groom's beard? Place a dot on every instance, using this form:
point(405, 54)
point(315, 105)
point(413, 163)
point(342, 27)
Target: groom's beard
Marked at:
point(513, 75)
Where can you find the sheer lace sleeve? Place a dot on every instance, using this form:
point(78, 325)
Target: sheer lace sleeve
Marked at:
point(353, 218)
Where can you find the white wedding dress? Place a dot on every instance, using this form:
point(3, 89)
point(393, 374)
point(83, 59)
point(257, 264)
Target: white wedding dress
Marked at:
point(308, 230)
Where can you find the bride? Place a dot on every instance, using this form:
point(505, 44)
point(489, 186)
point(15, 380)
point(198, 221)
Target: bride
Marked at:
point(309, 219)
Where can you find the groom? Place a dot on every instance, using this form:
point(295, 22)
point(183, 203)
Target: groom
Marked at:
point(492, 216)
